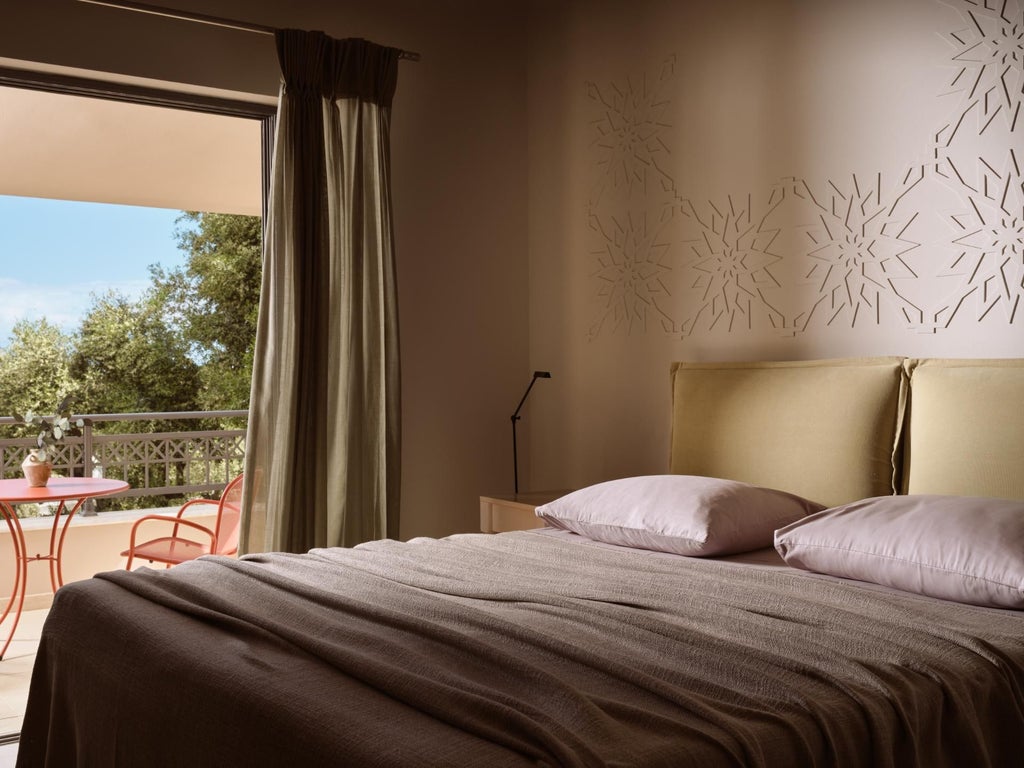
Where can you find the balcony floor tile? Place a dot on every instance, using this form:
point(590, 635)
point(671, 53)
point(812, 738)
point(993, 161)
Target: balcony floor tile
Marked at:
point(16, 670)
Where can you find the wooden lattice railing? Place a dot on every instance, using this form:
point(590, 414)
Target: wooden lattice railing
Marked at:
point(179, 462)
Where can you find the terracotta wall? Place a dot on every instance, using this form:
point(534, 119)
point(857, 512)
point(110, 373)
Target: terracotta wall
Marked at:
point(778, 180)
point(459, 173)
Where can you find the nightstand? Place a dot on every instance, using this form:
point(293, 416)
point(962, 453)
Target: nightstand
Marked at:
point(514, 512)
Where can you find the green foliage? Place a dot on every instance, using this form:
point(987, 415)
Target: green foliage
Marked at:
point(214, 299)
point(34, 366)
point(186, 345)
point(128, 359)
point(52, 429)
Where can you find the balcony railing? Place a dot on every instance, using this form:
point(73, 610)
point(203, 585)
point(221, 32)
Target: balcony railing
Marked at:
point(181, 462)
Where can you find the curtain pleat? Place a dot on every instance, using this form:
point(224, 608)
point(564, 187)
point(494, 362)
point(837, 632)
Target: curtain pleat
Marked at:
point(322, 453)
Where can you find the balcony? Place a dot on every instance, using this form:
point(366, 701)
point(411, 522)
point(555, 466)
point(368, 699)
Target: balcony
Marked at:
point(160, 466)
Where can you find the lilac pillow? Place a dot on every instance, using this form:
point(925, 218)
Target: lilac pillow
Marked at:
point(968, 549)
point(682, 514)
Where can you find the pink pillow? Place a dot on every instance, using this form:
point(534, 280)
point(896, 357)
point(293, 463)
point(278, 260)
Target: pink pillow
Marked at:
point(682, 514)
point(967, 549)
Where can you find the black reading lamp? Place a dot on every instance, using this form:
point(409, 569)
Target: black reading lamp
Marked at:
point(515, 418)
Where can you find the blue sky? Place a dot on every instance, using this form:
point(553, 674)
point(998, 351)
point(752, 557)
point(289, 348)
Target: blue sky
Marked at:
point(54, 254)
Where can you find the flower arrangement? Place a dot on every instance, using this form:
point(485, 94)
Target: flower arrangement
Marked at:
point(52, 429)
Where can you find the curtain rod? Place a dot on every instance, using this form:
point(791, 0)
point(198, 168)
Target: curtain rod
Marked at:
point(204, 18)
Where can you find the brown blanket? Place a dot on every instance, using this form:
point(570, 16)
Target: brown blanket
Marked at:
point(517, 649)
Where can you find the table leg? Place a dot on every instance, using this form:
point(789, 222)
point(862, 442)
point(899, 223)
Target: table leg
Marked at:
point(20, 573)
point(56, 574)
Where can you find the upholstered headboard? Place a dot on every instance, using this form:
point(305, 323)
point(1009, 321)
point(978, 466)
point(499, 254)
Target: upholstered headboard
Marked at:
point(836, 431)
point(826, 430)
point(965, 428)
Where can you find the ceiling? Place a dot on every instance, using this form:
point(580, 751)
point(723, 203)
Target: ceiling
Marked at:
point(80, 148)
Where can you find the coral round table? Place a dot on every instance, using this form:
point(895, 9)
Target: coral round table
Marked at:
point(61, 490)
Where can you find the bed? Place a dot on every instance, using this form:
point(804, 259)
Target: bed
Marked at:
point(755, 605)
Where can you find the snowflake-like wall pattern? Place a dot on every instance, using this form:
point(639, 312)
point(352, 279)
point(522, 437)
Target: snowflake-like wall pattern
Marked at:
point(631, 274)
point(733, 260)
point(990, 260)
point(989, 56)
point(942, 241)
point(630, 134)
point(856, 251)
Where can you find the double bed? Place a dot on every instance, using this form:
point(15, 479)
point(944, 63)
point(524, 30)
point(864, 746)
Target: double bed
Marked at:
point(828, 574)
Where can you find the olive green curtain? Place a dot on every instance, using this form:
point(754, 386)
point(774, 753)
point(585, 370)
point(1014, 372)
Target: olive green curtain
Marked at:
point(322, 451)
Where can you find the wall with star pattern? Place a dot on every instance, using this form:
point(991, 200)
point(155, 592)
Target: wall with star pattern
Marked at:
point(789, 179)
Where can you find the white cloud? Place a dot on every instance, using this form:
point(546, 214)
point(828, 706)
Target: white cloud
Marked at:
point(61, 304)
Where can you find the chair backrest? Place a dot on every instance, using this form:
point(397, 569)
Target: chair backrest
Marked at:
point(229, 517)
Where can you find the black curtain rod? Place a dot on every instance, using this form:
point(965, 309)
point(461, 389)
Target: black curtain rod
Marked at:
point(203, 18)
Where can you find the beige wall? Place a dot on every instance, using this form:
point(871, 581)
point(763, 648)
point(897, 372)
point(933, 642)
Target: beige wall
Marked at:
point(459, 173)
point(778, 180)
point(599, 187)
point(112, 151)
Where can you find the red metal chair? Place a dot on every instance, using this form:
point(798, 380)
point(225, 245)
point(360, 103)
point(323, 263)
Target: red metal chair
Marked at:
point(174, 549)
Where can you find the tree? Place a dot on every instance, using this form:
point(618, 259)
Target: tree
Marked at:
point(34, 367)
point(185, 345)
point(128, 359)
point(214, 299)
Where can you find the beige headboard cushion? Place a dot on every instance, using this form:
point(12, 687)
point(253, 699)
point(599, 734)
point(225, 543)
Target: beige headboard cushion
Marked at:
point(965, 431)
point(826, 430)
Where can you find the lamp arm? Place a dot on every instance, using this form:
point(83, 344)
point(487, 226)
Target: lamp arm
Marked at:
point(526, 394)
point(515, 418)
point(515, 447)
point(515, 458)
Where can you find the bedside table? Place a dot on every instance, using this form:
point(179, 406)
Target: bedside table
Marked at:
point(514, 512)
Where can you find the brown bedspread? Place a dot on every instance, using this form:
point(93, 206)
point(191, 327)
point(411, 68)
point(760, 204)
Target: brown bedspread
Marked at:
point(512, 650)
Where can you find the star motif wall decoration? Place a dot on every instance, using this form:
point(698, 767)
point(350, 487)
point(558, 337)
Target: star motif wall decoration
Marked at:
point(732, 261)
point(631, 270)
